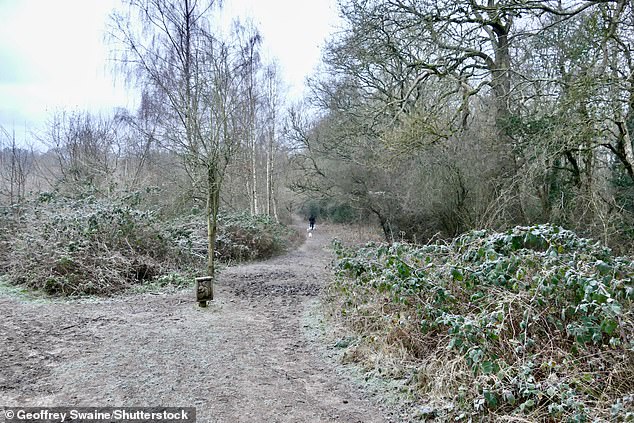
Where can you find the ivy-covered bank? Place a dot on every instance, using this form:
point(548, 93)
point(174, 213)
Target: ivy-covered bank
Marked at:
point(533, 322)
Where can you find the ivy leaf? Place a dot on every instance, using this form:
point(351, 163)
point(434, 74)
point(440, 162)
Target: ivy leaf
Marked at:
point(608, 326)
point(457, 275)
point(489, 367)
point(491, 398)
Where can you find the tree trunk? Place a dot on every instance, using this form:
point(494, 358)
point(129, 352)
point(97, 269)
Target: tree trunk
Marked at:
point(248, 183)
point(628, 152)
point(501, 88)
point(268, 179)
point(213, 203)
point(269, 170)
point(254, 178)
point(277, 218)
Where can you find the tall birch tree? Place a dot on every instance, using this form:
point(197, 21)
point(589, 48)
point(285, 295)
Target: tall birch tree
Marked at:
point(195, 79)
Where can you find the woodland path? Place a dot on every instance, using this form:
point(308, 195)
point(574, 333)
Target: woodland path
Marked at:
point(246, 358)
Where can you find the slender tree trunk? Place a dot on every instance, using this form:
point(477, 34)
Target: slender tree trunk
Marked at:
point(271, 95)
point(254, 178)
point(251, 153)
point(271, 204)
point(269, 165)
point(13, 176)
point(628, 152)
point(269, 169)
point(251, 120)
point(277, 218)
point(248, 187)
point(213, 204)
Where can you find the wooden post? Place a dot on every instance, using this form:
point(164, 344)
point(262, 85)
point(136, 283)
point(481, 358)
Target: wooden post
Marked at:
point(204, 291)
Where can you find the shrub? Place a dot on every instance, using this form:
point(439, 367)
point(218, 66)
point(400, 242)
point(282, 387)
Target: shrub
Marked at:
point(86, 246)
point(8, 223)
point(244, 237)
point(538, 320)
point(102, 246)
point(241, 237)
point(330, 210)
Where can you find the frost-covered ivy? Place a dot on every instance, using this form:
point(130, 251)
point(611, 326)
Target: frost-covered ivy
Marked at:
point(539, 315)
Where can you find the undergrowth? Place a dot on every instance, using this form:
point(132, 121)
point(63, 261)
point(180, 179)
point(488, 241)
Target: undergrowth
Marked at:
point(244, 237)
point(241, 237)
point(97, 246)
point(532, 323)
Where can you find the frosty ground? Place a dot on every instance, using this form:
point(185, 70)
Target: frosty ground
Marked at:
point(254, 355)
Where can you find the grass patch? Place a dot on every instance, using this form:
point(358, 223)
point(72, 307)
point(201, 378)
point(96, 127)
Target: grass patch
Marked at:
point(20, 292)
point(534, 322)
point(169, 282)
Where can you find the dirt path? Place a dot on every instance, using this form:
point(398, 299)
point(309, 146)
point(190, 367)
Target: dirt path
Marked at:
point(244, 359)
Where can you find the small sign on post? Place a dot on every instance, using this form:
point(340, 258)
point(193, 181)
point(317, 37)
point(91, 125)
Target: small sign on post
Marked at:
point(204, 290)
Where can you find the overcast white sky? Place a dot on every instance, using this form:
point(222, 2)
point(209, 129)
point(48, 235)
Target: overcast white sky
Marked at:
point(52, 54)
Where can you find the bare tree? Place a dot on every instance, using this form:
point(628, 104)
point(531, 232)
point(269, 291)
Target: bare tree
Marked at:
point(250, 41)
point(514, 110)
point(195, 79)
point(271, 98)
point(16, 164)
point(86, 151)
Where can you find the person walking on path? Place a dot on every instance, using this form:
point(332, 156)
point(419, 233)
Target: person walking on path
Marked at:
point(311, 222)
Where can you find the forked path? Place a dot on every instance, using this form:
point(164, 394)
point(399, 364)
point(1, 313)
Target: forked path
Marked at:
point(246, 358)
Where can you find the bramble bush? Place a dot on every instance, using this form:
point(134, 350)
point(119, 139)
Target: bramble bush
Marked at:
point(535, 321)
point(244, 237)
point(101, 246)
point(241, 237)
point(85, 246)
